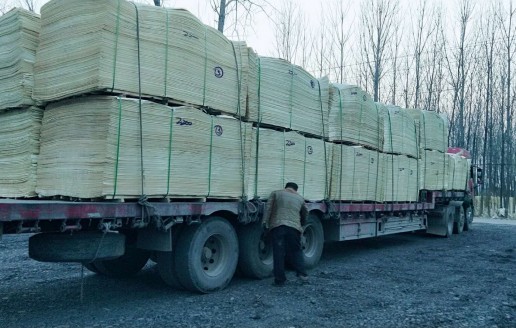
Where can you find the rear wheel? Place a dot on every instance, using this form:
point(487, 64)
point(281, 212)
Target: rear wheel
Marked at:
point(207, 255)
point(468, 220)
point(166, 261)
point(312, 241)
point(449, 212)
point(458, 224)
point(255, 256)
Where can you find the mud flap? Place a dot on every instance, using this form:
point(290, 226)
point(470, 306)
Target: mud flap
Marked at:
point(440, 222)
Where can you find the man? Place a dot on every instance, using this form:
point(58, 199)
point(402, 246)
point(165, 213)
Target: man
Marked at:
point(285, 215)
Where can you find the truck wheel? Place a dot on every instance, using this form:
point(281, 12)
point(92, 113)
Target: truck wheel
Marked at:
point(255, 257)
point(449, 220)
point(126, 265)
point(207, 255)
point(468, 214)
point(312, 241)
point(166, 262)
point(458, 224)
point(77, 247)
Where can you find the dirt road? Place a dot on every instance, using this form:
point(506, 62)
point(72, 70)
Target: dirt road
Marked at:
point(408, 280)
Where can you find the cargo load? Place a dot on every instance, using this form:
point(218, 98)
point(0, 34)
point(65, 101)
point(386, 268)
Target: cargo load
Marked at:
point(19, 31)
point(285, 95)
point(117, 46)
point(95, 146)
point(400, 133)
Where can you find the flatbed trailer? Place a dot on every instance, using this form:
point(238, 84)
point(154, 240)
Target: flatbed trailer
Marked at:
point(199, 244)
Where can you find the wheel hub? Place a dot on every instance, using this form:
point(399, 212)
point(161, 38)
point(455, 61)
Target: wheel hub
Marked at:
point(212, 260)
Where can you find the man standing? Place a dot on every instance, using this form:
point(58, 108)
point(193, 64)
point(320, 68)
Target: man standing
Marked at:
point(285, 215)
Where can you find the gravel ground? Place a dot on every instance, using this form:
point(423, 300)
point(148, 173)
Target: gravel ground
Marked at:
point(407, 280)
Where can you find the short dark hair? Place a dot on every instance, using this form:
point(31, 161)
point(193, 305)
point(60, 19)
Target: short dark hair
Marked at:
point(291, 185)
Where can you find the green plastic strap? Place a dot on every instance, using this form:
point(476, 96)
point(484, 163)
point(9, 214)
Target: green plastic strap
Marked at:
point(290, 95)
point(239, 113)
point(166, 57)
point(205, 65)
point(140, 98)
point(304, 170)
point(170, 137)
point(422, 133)
point(256, 160)
point(259, 88)
point(341, 114)
point(210, 160)
point(360, 123)
point(117, 145)
point(377, 152)
point(284, 158)
point(392, 155)
point(117, 33)
point(326, 193)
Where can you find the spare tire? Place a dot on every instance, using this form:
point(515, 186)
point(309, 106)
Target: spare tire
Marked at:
point(77, 247)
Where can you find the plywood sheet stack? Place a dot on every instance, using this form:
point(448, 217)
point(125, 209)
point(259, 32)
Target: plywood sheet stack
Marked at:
point(287, 96)
point(400, 133)
point(432, 170)
point(456, 172)
point(19, 149)
point(20, 122)
point(354, 117)
point(400, 178)
point(432, 142)
point(90, 147)
point(356, 174)
point(18, 42)
point(279, 157)
point(88, 46)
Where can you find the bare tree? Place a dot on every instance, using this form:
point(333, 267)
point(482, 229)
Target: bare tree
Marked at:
point(340, 36)
point(507, 27)
point(242, 10)
point(288, 30)
point(421, 34)
point(29, 4)
point(395, 50)
point(458, 75)
point(434, 68)
point(378, 22)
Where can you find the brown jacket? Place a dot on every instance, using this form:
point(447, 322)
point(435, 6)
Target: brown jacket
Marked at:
point(285, 207)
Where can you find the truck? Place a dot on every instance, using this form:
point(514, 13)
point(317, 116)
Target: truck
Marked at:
point(199, 244)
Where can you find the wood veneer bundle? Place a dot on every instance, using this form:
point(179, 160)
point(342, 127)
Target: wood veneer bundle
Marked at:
point(400, 133)
point(92, 147)
point(19, 30)
point(19, 148)
point(354, 117)
point(285, 95)
point(90, 46)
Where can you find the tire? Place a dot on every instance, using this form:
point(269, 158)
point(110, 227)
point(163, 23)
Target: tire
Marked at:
point(126, 265)
point(312, 241)
point(166, 262)
point(206, 256)
point(449, 213)
point(458, 224)
point(255, 257)
point(468, 220)
point(78, 247)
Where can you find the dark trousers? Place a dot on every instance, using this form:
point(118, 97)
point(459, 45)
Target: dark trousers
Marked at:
point(286, 243)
